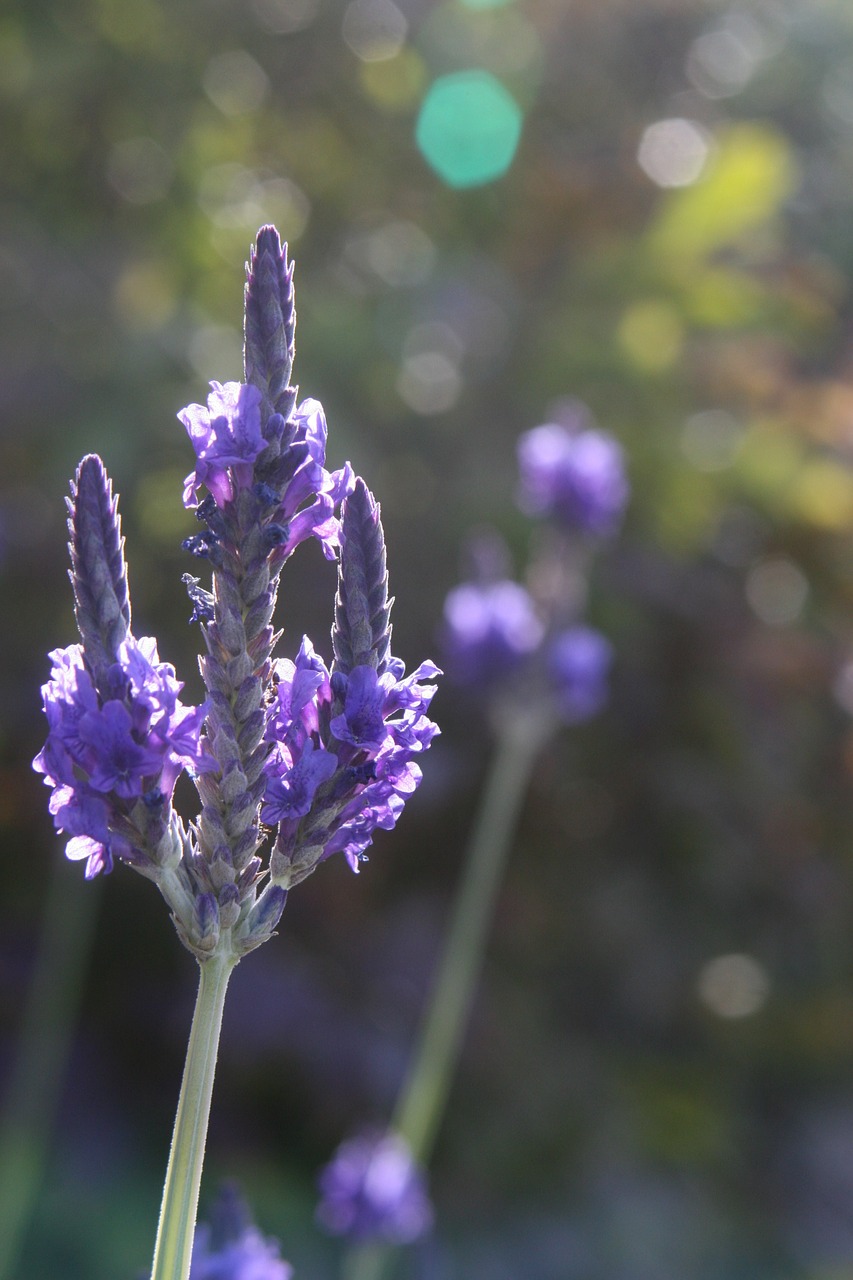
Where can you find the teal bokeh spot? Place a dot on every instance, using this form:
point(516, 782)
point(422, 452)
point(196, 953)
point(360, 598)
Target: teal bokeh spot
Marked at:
point(485, 4)
point(468, 128)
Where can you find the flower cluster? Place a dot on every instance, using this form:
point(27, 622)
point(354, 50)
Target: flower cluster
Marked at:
point(344, 740)
point(228, 442)
point(112, 758)
point(490, 628)
point(573, 473)
point(372, 1189)
point(499, 634)
point(325, 756)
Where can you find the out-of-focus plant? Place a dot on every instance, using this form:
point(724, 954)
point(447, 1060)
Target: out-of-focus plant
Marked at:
point(523, 652)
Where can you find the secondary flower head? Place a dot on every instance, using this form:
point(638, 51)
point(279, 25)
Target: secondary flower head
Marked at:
point(575, 476)
point(579, 662)
point(230, 1247)
point(345, 740)
point(489, 629)
point(373, 1190)
point(104, 753)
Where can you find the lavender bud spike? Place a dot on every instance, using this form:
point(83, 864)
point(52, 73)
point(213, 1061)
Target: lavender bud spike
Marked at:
point(269, 321)
point(361, 635)
point(98, 571)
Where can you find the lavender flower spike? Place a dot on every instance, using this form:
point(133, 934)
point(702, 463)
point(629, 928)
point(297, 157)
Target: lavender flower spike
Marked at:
point(98, 572)
point(345, 742)
point(118, 736)
point(361, 635)
point(270, 321)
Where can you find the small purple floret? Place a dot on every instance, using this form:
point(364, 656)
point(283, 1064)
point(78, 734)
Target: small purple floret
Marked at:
point(579, 661)
point(576, 477)
point(489, 629)
point(310, 483)
point(226, 437)
point(373, 1190)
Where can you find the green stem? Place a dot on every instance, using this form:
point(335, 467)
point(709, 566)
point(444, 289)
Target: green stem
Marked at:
point(521, 735)
point(425, 1091)
point(364, 1262)
point(173, 1251)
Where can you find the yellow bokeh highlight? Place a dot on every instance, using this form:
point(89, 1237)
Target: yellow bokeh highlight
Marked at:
point(395, 84)
point(822, 495)
point(748, 176)
point(651, 335)
point(792, 480)
point(719, 298)
point(768, 463)
point(688, 509)
point(144, 298)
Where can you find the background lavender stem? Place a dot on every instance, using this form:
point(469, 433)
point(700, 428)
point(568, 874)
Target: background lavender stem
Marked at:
point(521, 736)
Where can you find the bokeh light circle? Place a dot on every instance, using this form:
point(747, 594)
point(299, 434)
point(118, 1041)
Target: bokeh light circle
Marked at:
point(468, 128)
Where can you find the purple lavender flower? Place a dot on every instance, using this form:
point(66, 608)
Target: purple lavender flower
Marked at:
point(373, 1190)
point(226, 437)
point(489, 629)
point(343, 741)
point(328, 756)
point(575, 476)
point(231, 1248)
point(103, 755)
point(118, 735)
point(579, 661)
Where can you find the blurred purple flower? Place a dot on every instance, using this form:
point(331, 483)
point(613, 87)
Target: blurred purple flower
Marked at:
point(231, 1248)
point(579, 661)
point(372, 1189)
point(577, 477)
point(489, 628)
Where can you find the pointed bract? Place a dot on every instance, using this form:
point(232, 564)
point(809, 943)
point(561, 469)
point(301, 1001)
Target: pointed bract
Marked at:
point(98, 571)
point(269, 321)
point(361, 635)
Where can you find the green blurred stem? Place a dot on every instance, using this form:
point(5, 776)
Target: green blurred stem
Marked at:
point(424, 1094)
point(29, 1112)
point(521, 735)
point(173, 1251)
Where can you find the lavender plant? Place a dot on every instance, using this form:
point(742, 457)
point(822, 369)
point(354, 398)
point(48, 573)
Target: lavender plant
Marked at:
point(524, 651)
point(293, 760)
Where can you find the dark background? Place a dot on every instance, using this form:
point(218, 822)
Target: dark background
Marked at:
point(623, 1111)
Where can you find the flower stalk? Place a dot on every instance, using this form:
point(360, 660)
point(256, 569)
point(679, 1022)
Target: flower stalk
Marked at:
point(422, 1100)
point(173, 1250)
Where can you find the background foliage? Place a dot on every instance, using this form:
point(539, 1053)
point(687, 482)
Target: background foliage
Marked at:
point(633, 1102)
